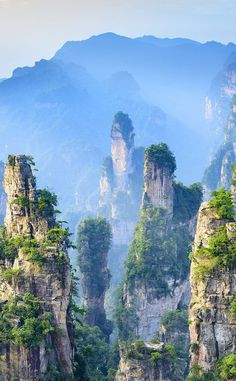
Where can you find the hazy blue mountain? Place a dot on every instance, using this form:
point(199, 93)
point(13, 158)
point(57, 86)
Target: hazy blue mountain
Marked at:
point(61, 110)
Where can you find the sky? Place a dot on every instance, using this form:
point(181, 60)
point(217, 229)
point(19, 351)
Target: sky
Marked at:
point(35, 29)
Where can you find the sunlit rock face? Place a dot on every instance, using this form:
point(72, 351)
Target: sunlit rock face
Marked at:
point(46, 278)
point(152, 287)
point(212, 327)
point(137, 364)
point(158, 183)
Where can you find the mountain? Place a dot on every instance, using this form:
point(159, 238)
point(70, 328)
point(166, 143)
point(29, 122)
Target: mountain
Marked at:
point(61, 110)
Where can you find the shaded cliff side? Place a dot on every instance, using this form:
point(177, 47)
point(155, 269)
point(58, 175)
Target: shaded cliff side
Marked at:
point(93, 242)
point(157, 269)
point(3, 200)
point(219, 172)
point(213, 290)
point(36, 330)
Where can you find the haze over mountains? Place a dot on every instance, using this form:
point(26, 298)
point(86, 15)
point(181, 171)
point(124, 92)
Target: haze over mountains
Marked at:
point(61, 110)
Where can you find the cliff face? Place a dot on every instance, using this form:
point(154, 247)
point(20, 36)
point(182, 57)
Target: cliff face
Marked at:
point(122, 147)
point(156, 276)
point(158, 182)
point(35, 277)
point(222, 90)
point(144, 361)
point(219, 173)
point(94, 238)
point(213, 275)
point(121, 190)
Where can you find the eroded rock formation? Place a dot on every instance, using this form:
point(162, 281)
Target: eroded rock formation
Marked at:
point(156, 278)
point(213, 289)
point(121, 191)
point(35, 282)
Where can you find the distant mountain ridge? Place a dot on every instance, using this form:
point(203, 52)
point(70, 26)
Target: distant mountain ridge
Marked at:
point(61, 110)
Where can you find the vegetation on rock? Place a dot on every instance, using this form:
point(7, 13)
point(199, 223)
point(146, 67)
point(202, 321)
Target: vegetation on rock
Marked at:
point(161, 156)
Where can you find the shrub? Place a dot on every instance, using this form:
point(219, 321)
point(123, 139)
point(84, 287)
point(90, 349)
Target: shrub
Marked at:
point(23, 321)
point(162, 156)
point(223, 204)
point(226, 367)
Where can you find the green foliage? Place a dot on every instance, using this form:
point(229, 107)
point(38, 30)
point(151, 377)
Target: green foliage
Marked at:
point(221, 251)
point(23, 321)
point(45, 204)
point(8, 246)
point(22, 201)
point(161, 156)
point(187, 201)
point(155, 357)
point(11, 273)
point(153, 252)
point(223, 203)
point(233, 308)
point(233, 179)
point(96, 359)
point(11, 160)
point(175, 320)
point(93, 243)
point(126, 127)
point(226, 367)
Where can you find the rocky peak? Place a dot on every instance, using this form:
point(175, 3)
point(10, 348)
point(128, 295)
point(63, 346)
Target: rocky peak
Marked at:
point(22, 199)
point(159, 167)
point(34, 277)
point(122, 146)
point(213, 274)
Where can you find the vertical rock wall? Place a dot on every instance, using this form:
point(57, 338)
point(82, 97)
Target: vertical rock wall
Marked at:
point(43, 271)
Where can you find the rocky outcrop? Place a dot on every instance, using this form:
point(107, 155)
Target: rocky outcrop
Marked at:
point(121, 191)
point(144, 362)
point(35, 277)
point(158, 180)
point(122, 147)
point(93, 242)
point(213, 289)
point(121, 181)
point(157, 269)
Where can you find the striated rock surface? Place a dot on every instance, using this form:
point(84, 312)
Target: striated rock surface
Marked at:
point(144, 362)
point(157, 269)
point(158, 180)
point(38, 267)
point(213, 289)
point(121, 191)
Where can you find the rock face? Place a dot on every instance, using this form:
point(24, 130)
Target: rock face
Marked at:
point(219, 173)
point(122, 147)
point(219, 97)
point(158, 183)
point(94, 238)
point(139, 364)
point(157, 269)
point(121, 191)
point(39, 268)
point(212, 328)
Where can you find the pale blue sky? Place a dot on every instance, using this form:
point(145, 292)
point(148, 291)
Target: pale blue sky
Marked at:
point(35, 29)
